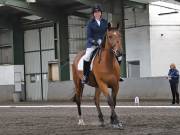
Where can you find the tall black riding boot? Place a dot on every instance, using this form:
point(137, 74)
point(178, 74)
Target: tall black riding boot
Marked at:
point(86, 71)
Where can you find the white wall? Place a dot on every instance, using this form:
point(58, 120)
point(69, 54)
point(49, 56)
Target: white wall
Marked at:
point(137, 48)
point(153, 39)
point(19, 69)
point(164, 49)
point(137, 39)
point(168, 19)
point(164, 40)
point(7, 75)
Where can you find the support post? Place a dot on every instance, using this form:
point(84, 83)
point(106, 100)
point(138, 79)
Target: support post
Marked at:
point(63, 49)
point(118, 17)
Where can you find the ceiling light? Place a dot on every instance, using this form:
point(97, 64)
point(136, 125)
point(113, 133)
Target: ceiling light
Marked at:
point(32, 17)
point(31, 1)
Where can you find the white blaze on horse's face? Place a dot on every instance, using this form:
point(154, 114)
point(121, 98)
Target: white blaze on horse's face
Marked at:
point(115, 41)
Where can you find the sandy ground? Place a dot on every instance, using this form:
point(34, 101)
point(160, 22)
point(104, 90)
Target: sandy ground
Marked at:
point(63, 121)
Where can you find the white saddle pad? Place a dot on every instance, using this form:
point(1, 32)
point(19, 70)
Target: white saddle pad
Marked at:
point(80, 63)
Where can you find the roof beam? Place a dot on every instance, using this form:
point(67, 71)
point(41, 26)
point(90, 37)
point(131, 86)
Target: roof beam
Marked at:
point(79, 14)
point(106, 4)
point(45, 12)
point(89, 2)
point(74, 8)
point(135, 4)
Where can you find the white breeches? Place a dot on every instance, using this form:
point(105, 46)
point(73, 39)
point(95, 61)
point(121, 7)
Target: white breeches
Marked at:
point(88, 53)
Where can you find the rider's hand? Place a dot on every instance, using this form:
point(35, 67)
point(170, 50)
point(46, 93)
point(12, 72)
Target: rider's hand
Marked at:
point(94, 42)
point(99, 41)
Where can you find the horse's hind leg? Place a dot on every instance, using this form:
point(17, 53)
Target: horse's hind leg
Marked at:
point(79, 91)
point(96, 100)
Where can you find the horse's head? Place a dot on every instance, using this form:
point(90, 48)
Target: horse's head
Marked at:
point(114, 40)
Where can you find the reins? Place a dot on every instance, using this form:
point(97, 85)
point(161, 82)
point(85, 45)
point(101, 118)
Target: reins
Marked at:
point(100, 47)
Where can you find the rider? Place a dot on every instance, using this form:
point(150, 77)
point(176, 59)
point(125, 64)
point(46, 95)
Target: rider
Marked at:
point(96, 29)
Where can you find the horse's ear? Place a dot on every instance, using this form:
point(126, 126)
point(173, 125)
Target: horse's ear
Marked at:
point(109, 26)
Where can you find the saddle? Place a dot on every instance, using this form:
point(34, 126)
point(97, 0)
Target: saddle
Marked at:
point(80, 63)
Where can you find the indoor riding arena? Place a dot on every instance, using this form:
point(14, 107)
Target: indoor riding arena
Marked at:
point(61, 119)
point(41, 87)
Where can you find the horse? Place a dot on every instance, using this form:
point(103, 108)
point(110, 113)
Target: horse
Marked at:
point(105, 74)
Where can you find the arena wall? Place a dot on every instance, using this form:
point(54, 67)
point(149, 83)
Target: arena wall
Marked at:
point(156, 88)
point(6, 93)
point(148, 88)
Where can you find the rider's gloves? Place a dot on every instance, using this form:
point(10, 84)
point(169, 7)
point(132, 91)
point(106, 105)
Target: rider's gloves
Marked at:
point(99, 41)
point(96, 43)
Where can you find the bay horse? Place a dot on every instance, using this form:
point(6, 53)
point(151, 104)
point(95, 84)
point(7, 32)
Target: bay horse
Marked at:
point(105, 74)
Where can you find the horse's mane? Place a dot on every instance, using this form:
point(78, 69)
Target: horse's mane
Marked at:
point(104, 41)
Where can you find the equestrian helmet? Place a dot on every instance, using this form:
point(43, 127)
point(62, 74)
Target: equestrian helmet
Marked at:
point(97, 8)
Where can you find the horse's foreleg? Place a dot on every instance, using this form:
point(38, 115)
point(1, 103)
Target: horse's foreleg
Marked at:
point(114, 119)
point(115, 90)
point(96, 100)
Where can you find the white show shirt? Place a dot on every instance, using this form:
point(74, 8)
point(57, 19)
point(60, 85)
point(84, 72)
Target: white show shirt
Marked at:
point(98, 22)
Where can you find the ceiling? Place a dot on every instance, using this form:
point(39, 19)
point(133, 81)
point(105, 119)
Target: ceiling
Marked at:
point(149, 1)
point(21, 7)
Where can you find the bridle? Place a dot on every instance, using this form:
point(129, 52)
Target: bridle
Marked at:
point(113, 44)
point(112, 48)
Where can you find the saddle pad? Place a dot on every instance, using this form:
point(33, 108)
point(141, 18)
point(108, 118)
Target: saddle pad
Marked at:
point(80, 64)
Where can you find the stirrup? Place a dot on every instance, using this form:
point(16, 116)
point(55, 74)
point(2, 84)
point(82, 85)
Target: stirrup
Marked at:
point(84, 80)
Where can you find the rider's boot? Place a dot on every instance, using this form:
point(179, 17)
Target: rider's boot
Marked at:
point(86, 71)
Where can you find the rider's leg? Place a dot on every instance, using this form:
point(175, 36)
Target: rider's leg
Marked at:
point(86, 71)
point(86, 66)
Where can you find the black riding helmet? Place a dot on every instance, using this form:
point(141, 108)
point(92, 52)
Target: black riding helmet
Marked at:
point(96, 8)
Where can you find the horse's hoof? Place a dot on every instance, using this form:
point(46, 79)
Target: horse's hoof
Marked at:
point(118, 126)
point(81, 122)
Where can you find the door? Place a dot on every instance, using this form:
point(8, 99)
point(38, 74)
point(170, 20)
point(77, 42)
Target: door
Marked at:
point(134, 69)
point(39, 50)
point(32, 65)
